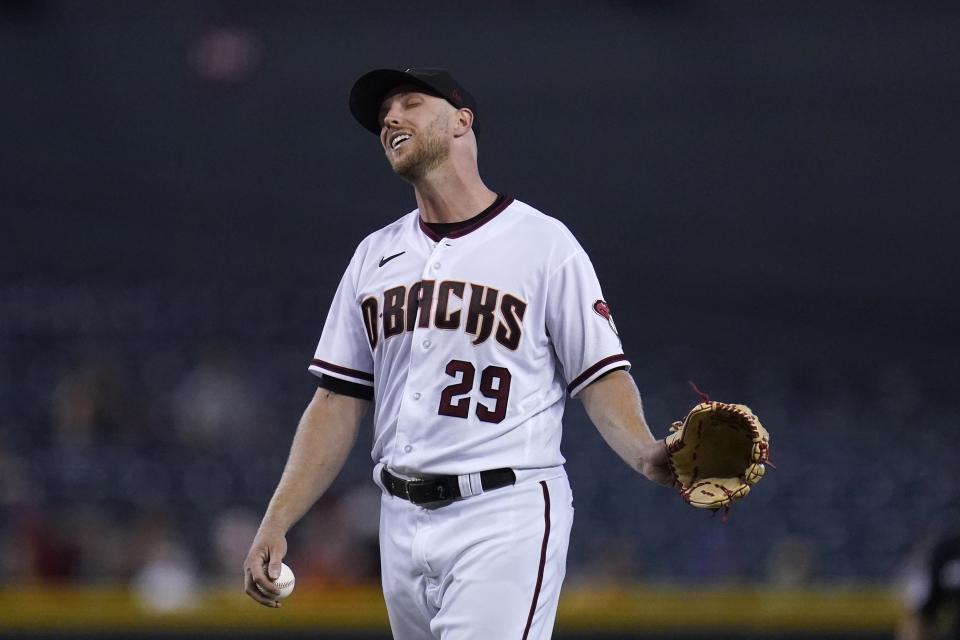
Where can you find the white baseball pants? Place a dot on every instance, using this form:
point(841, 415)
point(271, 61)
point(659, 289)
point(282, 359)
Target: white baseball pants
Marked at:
point(487, 567)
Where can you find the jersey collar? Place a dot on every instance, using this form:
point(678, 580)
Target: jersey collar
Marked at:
point(479, 222)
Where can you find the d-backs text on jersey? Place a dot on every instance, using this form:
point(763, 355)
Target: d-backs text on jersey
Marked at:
point(429, 303)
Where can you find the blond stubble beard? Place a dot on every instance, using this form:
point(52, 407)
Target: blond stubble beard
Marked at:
point(432, 149)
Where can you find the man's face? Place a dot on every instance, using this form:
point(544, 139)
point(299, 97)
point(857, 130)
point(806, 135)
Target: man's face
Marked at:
point(415, 131)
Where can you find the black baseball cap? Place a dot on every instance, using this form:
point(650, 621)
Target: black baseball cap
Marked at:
point(371, 88)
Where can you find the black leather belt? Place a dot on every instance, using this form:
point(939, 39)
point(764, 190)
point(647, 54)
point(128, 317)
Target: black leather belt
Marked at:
point(442, 488)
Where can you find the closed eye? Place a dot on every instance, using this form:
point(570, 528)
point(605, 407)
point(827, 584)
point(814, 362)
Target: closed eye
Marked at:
point(408, 103)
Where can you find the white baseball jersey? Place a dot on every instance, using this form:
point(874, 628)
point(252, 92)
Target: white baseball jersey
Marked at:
point(471, 341)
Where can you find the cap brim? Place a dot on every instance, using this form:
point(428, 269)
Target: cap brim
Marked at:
point(371, 88)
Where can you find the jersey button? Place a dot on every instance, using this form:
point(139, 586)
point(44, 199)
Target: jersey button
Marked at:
point(407, 449)
point(426, 344)
point(436, 265)
point(416, 396)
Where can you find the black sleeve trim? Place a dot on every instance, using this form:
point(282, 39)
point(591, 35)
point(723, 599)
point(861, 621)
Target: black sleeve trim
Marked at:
point(346, 388)
point(592, 371)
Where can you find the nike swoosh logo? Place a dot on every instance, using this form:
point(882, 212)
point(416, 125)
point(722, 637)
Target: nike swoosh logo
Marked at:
point(384, 261)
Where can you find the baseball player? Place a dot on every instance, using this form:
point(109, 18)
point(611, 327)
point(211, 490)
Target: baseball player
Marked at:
point(466, 322)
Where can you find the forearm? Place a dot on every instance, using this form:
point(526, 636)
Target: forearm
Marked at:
point(614, 406)
point(324, 437)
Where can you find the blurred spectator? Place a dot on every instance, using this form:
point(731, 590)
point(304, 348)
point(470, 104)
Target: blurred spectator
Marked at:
point(93, 401)
point(166, 577)
point(335, 542)
point(40, 548)
point(931, 591)
point(103, 545)
point(46, 545)
point(216, 405)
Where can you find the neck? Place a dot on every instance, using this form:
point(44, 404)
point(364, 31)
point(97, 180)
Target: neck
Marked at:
point(452, 194)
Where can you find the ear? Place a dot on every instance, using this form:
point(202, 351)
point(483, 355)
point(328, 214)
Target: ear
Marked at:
point(463, 122)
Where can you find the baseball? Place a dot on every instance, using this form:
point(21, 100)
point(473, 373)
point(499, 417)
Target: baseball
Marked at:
point(284, 583)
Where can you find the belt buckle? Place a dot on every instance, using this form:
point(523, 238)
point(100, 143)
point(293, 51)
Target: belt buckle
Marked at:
point(395, 486)
point(426, 490)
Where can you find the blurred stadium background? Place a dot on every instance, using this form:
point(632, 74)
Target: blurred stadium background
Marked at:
point(765, 189)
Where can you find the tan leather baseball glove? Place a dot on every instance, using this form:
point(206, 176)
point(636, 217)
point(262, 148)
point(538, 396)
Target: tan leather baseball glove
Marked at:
point(717, 453)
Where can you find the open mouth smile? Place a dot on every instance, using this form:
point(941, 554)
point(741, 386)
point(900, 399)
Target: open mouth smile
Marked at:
point(399, 138)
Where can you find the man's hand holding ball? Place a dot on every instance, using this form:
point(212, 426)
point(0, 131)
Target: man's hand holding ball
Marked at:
point(283, 584)
point(266, 579)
